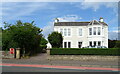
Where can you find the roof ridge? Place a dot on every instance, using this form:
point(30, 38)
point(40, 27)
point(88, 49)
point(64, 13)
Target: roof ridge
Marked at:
point(74, 22)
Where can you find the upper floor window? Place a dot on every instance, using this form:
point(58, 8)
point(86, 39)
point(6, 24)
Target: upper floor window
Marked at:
point(94, 30)
point(61, 31)
point(69, 32)
point(90, 31)
point(80, 32)
point(99, 31)
point(65, 32)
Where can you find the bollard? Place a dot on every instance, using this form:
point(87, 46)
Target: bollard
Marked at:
point(17, 53)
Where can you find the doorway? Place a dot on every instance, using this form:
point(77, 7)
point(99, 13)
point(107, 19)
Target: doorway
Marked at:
point(79, 44)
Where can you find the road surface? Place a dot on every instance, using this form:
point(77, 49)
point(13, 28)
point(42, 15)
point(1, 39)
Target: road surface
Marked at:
point(49, 68)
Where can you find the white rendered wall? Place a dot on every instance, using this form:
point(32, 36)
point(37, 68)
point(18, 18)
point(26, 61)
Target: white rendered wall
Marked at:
point(85, 38)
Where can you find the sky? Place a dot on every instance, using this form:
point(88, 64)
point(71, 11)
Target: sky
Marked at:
point(44, 13)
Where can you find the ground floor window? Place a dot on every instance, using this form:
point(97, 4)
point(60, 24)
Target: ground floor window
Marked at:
point(79, 44)
point(90, 43)
point(67, 45)
point(99, 43)
point(94, 43)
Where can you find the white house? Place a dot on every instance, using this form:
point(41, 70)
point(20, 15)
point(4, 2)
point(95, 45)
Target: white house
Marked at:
point(82, 34)
point(48, 45)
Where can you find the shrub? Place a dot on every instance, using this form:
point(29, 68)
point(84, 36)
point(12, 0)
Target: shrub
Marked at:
point(117, 44)
point(85, 51)
point(55, 39)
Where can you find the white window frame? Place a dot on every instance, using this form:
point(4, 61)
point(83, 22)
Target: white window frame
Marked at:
point(91, 31)
point(61, 29)
point(81, 32)
point(69, 31)
point(65, 32)
point(95, 30)
point(67, 43)
point(98, 30)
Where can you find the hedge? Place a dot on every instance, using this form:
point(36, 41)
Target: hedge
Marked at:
point(85, 51)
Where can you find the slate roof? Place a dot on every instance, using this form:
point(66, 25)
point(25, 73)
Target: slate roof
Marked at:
point(76, 23)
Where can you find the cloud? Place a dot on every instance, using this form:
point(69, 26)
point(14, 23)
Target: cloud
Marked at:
point(113, 35)
point(50, 26)
point(48, 29)
point(96, 4)
point(59, 0)
point(101, 0)
point(69, 18)
point(42, 0)
point(22, 10)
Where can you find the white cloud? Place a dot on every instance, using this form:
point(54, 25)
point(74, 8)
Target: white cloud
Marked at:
point(48, 29)
point(59, 0)
point(93, 5)
point(101, 0)
point(17, 10)
point(116, 31)
point(113, 35)
point(69, 18)
point(96, 5)
point(42, 0)
point(50, 26)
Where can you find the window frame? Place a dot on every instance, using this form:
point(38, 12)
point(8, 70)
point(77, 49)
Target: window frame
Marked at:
point(99, 31)
point(69, 32)
point(65, 32)
point(80, 32)
point(90, 31)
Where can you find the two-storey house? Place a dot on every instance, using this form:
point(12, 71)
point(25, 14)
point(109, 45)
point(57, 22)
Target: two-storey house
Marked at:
point(82, 34)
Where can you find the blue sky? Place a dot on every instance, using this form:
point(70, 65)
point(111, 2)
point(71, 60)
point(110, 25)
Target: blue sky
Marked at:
point(43, 13)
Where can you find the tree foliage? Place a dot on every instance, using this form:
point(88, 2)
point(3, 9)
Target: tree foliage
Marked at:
point(23, 35)
point(55, 39)
point(43, 41)
point(111, 43)
point(117, 45)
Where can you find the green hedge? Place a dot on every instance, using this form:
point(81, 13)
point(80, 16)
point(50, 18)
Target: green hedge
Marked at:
point(85, 51)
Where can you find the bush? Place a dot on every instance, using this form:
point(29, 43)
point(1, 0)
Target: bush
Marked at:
point(55, 39)
point(43, 48)
point(117, 44)
point(85, 51)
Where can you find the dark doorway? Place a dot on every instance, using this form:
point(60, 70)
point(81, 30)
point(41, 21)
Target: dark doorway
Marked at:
point(79, 44)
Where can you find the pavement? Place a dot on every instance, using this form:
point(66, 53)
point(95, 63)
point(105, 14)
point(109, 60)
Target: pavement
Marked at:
point(44, 60)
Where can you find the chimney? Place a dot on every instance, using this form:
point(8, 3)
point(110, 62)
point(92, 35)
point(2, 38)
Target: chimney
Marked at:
point(56, 20)
point(101, 19)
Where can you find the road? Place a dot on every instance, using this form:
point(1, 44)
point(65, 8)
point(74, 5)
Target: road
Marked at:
point(49, 68)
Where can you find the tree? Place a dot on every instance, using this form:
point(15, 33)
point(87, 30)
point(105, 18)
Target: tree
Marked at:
point(43, 41)
point(43, 44)
point(117, 45)
point(111, 43)
point(23, 35)
point(55, 39)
